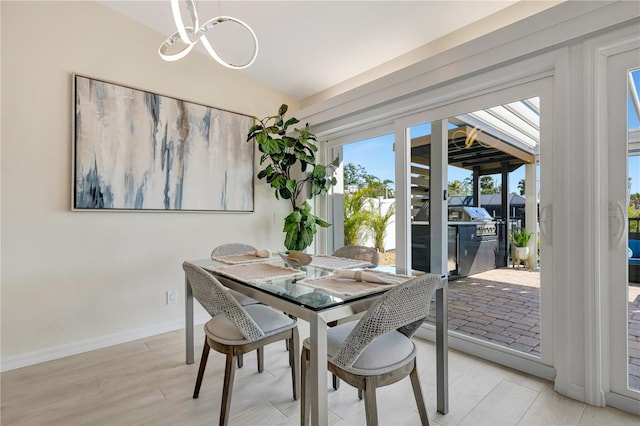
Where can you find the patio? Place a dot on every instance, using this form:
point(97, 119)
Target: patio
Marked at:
point(502, 306)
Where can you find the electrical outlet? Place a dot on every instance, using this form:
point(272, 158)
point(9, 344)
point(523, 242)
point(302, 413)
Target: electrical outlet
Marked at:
point(172, 297)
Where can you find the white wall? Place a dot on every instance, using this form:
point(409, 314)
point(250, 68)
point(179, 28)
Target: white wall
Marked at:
point(73, 281)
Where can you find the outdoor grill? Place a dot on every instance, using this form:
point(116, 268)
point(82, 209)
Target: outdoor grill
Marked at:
point(472, 240)
point(473, 236)
point(478, 216)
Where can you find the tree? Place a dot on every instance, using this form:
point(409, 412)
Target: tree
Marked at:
point(468, 185)
point(521, 186)
point(487, 185)
point(375, 188)
point(459, 189)
point(352, 174)
point(355, 174)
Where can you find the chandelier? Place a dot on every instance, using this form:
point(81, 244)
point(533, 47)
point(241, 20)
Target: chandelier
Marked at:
point(190, 35)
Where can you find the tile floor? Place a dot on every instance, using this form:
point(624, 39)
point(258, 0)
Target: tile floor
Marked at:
point(146, 382)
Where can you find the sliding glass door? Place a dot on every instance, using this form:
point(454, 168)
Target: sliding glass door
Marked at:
point(478, 172)
point(623, 150)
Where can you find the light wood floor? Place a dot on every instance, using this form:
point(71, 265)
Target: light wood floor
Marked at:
point(146, 382)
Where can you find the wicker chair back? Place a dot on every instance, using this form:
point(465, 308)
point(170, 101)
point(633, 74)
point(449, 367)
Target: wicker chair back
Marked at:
point(403, 308)
point(232, 248)
point(368, 254)
point(213, 296)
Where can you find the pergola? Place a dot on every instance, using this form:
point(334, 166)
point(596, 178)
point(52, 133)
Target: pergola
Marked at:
point(496, 140)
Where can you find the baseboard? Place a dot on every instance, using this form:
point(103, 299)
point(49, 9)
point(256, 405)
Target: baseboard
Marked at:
point(623, 403)
point(57, 352)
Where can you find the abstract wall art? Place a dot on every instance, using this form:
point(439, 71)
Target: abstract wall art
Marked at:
point(137, 150)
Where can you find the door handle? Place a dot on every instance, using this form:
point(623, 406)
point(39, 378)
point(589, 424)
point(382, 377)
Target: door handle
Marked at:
point(546, 223)
point(617, 221)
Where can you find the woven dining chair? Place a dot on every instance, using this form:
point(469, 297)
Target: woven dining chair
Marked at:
point(368, 254)
point(227, 250)
point(240, 248)
point(236, 330)
point(377, 350)
point(230, 249)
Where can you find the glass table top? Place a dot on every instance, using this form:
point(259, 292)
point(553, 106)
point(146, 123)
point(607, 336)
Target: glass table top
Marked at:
point(291, 289)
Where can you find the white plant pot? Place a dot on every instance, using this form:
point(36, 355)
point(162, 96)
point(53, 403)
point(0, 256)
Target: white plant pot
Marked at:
point(522, 253)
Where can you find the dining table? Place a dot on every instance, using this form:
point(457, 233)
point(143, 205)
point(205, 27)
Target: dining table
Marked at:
point(307, 293)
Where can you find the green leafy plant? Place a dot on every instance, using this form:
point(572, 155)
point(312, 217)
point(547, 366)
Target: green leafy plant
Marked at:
point(379, 224)
point(284, 146)
point(355, 216)
point(634, 213)
point(521, 238)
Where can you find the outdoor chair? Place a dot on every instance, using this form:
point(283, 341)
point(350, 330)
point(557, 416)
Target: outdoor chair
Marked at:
point(378, 350)
point(368, 254)
point(236, 330)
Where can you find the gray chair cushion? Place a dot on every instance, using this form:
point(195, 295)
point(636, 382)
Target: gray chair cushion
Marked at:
point(385, 353)
point(270, 321)
point(242, 299)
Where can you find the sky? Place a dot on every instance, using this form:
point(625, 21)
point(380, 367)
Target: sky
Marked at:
point(377, 157)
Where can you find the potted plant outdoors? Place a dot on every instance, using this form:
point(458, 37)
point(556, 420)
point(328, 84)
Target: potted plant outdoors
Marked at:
point(521, 241)
point(283, 148)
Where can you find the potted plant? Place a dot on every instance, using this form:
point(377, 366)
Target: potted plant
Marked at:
point(284, 146)
point(521, 240)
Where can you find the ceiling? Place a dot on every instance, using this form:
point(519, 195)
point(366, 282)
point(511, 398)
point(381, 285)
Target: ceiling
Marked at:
point(308, 46)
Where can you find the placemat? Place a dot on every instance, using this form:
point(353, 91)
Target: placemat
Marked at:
point(235, 259)
point(258, 272)
point(335, 285)
point(331, 263)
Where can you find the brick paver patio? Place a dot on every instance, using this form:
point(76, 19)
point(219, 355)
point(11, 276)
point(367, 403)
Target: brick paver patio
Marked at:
point(502, 306)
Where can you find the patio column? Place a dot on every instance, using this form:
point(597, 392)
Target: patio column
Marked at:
point(476, 186)
point(531, 210)
point(503, 246)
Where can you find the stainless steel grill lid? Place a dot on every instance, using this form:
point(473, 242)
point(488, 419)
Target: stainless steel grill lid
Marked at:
point(469, 214)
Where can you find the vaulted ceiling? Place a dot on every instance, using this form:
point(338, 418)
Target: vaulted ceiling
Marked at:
point(308, 46)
